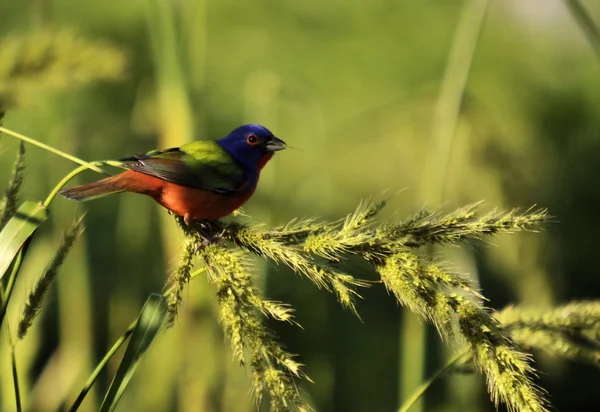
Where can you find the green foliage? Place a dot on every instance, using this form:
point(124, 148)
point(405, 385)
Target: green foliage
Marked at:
point(585, 21)
point(150, 321)
point(312, 249)
point(571, 331)
point(35, 300)
point(8, 204)
point(315, 250)
point(53, 60)
point(180, 277)
point(241, 305)
point(272, 245)
point(296, 66)
point(101, 365)
point(432, 227)
point(19, 230)
point(14, 238)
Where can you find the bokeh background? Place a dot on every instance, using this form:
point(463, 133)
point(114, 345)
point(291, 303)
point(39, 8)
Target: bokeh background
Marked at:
point(371, 97)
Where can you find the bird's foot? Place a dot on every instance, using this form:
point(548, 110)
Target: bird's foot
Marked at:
point(209, 240)
point(205, 228)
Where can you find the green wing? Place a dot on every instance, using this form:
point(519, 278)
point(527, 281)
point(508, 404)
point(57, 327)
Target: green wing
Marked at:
point(200, 165)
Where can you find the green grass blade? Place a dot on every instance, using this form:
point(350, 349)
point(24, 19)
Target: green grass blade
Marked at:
point(151, 319)
point(13, 238)
point(414, 398)
point(51, 149)
point(18, 229)
point(13, 358)
point(586, 23)
point(6, 289)
point(92, 379)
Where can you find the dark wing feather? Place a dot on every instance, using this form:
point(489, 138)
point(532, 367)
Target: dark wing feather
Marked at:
point(217, 173)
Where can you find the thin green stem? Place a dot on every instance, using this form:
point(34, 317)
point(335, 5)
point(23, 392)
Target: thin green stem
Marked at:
point(10, 284)
point(63, 182)
point(454, 83)
point(74, 173)
point(585, 22)
point(427, 384)
point(194, 274)
point(95, 166)
point(92, 379)
point(15, 375)
point(446, 115)
point(50, 149)
point(15, 379)
point(117, 345)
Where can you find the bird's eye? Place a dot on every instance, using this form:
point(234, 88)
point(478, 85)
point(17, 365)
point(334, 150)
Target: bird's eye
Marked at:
point(252, 139)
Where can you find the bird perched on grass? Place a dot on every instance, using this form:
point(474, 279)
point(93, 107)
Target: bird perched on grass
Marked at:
point(199, 180)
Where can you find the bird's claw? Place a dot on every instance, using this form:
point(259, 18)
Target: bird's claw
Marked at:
point(203, 227)
point(209, 240)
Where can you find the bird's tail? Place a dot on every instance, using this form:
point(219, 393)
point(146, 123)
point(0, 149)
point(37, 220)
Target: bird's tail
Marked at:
point(94, 190)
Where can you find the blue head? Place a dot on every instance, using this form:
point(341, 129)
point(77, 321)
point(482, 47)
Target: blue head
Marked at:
point(251, 143)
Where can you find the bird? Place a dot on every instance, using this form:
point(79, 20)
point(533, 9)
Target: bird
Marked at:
point(201, 180)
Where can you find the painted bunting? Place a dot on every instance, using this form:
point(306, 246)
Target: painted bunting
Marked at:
point(199, 180)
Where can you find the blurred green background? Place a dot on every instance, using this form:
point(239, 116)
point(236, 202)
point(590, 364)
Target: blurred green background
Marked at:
point(355, 86)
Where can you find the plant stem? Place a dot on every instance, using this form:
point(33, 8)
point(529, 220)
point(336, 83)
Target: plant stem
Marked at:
point(15, 379)
point(74, 173)
point(63, 182)
point(15, 375)
point(10, 284)
point(456, 77)
point(433, 189)
point(427, 384)
point(50, 149)
point(92, 379)
point(95, 166)
point(585, 22)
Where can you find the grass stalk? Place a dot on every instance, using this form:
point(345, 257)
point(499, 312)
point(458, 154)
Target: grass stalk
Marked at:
point(420, 391)
point(51, 149)
point(77, 171)
point(116, 346)
point(585, 22)
point(453, 86)
point(14, 370)
point(9, 205)
point(74, 173)
point(92, 379)
point(447, 110)
point(95, 166)
point(6, 293)
point(35, 300)
point(13, 359)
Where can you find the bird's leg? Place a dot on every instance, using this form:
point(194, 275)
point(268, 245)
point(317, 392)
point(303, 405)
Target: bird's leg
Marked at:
point(211, 239)
point(220, 235)
point(205, 228)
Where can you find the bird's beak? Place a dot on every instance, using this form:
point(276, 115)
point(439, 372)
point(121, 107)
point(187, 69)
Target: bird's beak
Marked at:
point(274, 144)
